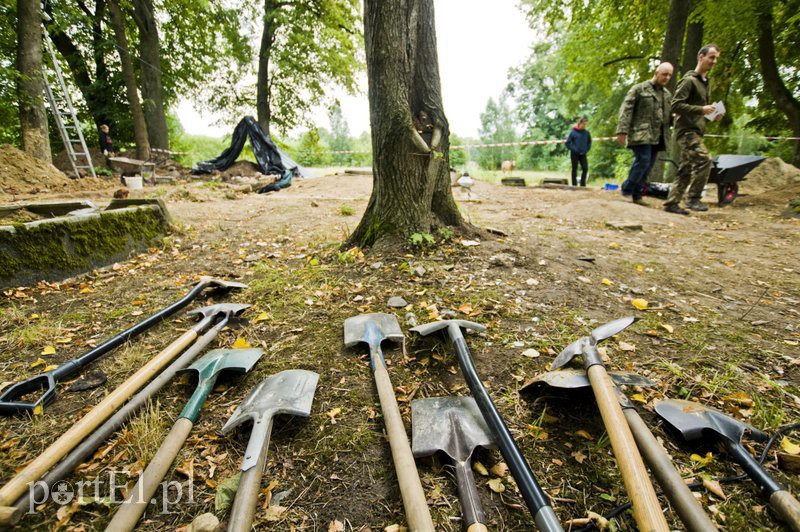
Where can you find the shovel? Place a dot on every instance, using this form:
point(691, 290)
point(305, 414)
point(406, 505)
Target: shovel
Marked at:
point(101, 412)
point(686, 506)
point(288, 392)
point(207, 370)
point(373, 329)
point(646, 509)
point(455, 426)
point(534, 495)
point(695, 421)
point(11, 400)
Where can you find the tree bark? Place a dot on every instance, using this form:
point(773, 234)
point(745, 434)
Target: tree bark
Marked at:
point(137, 115)
point(673, 38)
point(152, 89)
point(784, 99)
point(411, 187)
point(30, 84)
point(693, 43)
point(264, 113)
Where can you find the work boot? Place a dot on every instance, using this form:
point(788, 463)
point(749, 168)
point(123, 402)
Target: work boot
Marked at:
point(676, 209)
point(696, 205)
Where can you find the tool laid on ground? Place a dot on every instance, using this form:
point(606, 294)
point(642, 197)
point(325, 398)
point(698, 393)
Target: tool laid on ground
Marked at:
point(88, 446)
point(102, 411)
point(207, 369)
point(11, 399)
point(288, 392)
point(695, 421)
point(455, 426)
point(646, 508)
point(686, 506)
point(373, 329)
point(535, 498)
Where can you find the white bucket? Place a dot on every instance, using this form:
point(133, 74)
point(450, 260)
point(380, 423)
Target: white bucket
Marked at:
point(133, 182)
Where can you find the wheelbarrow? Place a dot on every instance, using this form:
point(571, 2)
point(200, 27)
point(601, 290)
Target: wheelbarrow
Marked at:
point(726, 172)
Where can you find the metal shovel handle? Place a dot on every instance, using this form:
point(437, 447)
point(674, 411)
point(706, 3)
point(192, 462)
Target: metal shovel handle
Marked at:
point(646, 508)
point(471, 509)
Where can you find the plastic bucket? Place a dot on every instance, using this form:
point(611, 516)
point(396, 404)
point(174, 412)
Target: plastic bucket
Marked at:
point(610, 186)
point(133, 182)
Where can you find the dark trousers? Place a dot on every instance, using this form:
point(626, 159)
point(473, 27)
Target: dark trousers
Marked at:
point(575, 158)
point(644, 157)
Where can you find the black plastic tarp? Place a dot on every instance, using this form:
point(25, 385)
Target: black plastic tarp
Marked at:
point(270, 158)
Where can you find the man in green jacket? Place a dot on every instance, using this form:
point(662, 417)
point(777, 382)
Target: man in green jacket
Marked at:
point(690, 103)
point(644, 121)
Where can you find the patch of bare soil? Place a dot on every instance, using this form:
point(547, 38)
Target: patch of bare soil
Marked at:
point(721, 327)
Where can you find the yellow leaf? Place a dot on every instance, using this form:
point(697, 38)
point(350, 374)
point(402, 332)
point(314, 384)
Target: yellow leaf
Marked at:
point(51, 367)
point(39, 362)
point(789, 446)
point(639, 304)
point(333, 413)
point(85, 291)
point(466, 308)
point(480, 469)
point(33, 317)
point(667, 327)
point(38, 410)
point(241, 343)
point(639, 268)
point(607, 282)
point(500, 469)
point(264, 316)
point(583, 434)
point(613, 245)
point(639, 398)
point(702, 460)
point(496, 485)
point(49, 350)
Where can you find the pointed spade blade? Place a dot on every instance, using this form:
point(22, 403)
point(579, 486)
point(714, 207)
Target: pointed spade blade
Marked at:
point(611, 328)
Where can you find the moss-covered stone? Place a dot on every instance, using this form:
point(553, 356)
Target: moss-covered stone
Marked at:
point(57, 248)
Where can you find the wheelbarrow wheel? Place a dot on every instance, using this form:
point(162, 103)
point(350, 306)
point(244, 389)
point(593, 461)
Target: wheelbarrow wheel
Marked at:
point(726, 193)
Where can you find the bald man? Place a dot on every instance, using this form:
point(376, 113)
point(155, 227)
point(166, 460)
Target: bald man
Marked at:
point(644, 121)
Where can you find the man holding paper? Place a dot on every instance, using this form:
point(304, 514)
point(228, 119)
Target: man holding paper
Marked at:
point(690, 104)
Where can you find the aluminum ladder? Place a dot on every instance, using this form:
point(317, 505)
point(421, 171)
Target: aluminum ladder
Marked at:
point(65, 116)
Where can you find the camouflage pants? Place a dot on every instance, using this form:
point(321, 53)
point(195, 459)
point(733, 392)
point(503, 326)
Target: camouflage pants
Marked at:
point(693, 171)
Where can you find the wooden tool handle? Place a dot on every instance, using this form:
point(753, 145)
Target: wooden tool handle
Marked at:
point(686, 506)
point(136, 502)
point(787, 508)
point(646, 509)
point(10, 515)
point(246, 500)
point(477, 527)
point(96, 416)
point(417, 513)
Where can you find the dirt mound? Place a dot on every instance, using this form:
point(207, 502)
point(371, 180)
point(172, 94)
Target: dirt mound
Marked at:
point(770, 175)
point(240, 168)
point(778, 197)
point(61, 160)
point(20, 173)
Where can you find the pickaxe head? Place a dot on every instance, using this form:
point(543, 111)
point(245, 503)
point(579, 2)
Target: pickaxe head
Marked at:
point(430, 328)
point(587, 345)
point(220, 309)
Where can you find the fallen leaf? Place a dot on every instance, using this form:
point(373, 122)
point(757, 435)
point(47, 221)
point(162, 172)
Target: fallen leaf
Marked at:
point(39, 362)
point(639, 398)
point(531, 353)
point(613, 245)
point(500, 469)
point(578, 456)
point(669, 328)
point(225, 493)
point(700, 460)
point(336, 526)
point(38, 410)
point(333, 413)
point(739, 398)
point(466, 308)
point(480, 469)
point(639, 304)
point(496, 485)
point(49, 350)
point(275, 513)
point(264, 316)
point(625, 346)
point(639, 268)
point(714, 487)
point(607, 282)
point(583, 434)
point(241, 343)
point(789, 446)
point(51, 367)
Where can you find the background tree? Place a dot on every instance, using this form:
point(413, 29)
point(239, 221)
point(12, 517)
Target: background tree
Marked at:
point(411, 188)
point(497, 126)
point(30, 83)
point(340, 134)
point(9, 109)
point(150, 67)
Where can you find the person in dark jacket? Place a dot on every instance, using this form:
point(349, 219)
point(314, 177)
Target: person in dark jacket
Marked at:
point(579, 142)
point(106, 142)
point(644, 120)
point(690, 104)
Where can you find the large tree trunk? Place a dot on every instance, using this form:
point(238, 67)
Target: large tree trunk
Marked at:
point(784, 99)
point(137, 115)
point(411, 188)
point(30, 84)
point(152, 89)
point(263, 81)
point(673, 38)
point(693, 43)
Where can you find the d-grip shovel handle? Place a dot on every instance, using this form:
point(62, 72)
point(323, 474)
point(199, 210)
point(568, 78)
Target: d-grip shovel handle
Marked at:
point(646, 509)
point(417, 513)
point(471, 509)
point(784, 504)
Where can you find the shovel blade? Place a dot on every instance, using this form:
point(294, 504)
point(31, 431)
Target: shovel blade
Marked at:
point(695, 421)
point(218, 360)
point(371, 329)
point(454, 425)
point(611, 328)
point(573, 378)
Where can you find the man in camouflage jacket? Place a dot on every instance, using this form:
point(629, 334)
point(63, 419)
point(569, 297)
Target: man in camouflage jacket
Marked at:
point(644, 121)
point(690, 104)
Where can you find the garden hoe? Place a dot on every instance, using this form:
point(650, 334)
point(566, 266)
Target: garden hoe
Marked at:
point(535, 498)
point(207, 370)
point(695, 421)
point(88, 446)
point(646, 509)
point(288, 392)
point(686, 506)
point(373, 329)
point(455, 426)
point(76, 433)
point(12, 399)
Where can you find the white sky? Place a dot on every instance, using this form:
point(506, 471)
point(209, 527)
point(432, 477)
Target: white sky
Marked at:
point(478, 43)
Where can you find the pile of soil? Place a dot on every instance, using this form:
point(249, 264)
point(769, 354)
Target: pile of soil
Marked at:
point(240, 169)
point(61, 160)
point(771, 174)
